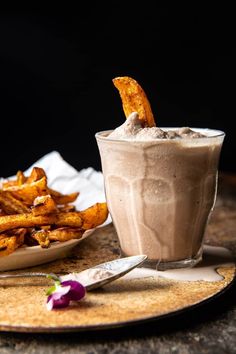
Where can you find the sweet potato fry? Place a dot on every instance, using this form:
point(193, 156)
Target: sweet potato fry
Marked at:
point(94, 216)
point(8, 244)
point(11, 205)
point(27, 192)
point(63, 198)
point(19, 233)
point(31, 213)
point(67, 208)
point(42, 237)
point(44, 205)
point(86, 219)
point(134, 99)
point(9, 222)
point(20, 178)
point(36, 174)
point(63, 234)
point(8, 183)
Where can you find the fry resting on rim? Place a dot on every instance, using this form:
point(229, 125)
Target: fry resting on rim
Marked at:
point(134, 99)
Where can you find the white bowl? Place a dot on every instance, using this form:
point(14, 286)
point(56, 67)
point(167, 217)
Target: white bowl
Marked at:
point(25, 257)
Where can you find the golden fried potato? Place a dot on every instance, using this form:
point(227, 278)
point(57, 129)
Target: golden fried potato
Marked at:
point(42, 237)
point(27, 192)
point(9, 222)
point(44, 205)
point(20, 178)
point(31, 213)
point(5, 184)
point(8, 244)
point(36, 174)
point(67, 208)
point(11, 205)
point(134, 99)
point(94, 215)
point(63, 198)
point(87, 219)
point(20, 234)
point(63, 234)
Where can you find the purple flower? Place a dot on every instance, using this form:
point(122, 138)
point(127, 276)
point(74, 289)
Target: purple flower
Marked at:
point(62, 293)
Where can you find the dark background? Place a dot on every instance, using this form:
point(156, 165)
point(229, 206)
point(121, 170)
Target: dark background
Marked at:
point(56, 73)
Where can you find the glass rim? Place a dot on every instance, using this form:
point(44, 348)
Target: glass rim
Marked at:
point(218, 134)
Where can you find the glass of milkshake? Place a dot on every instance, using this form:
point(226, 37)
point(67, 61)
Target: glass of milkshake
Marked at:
point(161, 186)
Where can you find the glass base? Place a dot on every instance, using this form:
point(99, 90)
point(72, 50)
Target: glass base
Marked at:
point(165, 265)
point(161, 266)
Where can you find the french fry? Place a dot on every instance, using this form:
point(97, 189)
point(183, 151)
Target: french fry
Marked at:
point(8, 244)
point(20, 234)
point(87, 219)
point(27, 192)
point(6, 184)
point(134, 99)
point(63, 198)
point(42, 237)
point(94, 216)
point(63, 234)
point(31, 213)
point(9, 222)
point(44, 205)
point(36, 174)
point(67, 208)
point(20, 178)
point(11, 205)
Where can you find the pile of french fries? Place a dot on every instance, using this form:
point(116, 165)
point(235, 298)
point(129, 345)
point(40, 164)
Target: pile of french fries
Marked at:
point(32, 214)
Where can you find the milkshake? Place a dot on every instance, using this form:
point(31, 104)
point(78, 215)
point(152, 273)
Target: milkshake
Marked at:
point(161, 186)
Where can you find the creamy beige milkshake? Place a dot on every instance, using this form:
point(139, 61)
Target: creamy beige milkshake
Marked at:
point(160, 186)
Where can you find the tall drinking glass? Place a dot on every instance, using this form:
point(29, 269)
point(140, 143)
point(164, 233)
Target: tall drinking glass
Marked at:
point(160, 194)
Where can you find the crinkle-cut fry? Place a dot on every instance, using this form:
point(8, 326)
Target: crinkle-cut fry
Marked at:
point(9, 222)
point(44, 205)
point(42, 237)
point(36, 174)
point(63, 234)
point(134, 99)
point(63, 198)
point(27, 192)
point(94, 215)
point(8, 244)
point(11, 205)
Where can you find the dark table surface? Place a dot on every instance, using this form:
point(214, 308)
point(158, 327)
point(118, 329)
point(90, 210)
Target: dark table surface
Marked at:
point(206, 328)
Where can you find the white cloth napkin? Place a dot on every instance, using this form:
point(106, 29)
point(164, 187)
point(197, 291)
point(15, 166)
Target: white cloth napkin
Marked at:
point(66, 179)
